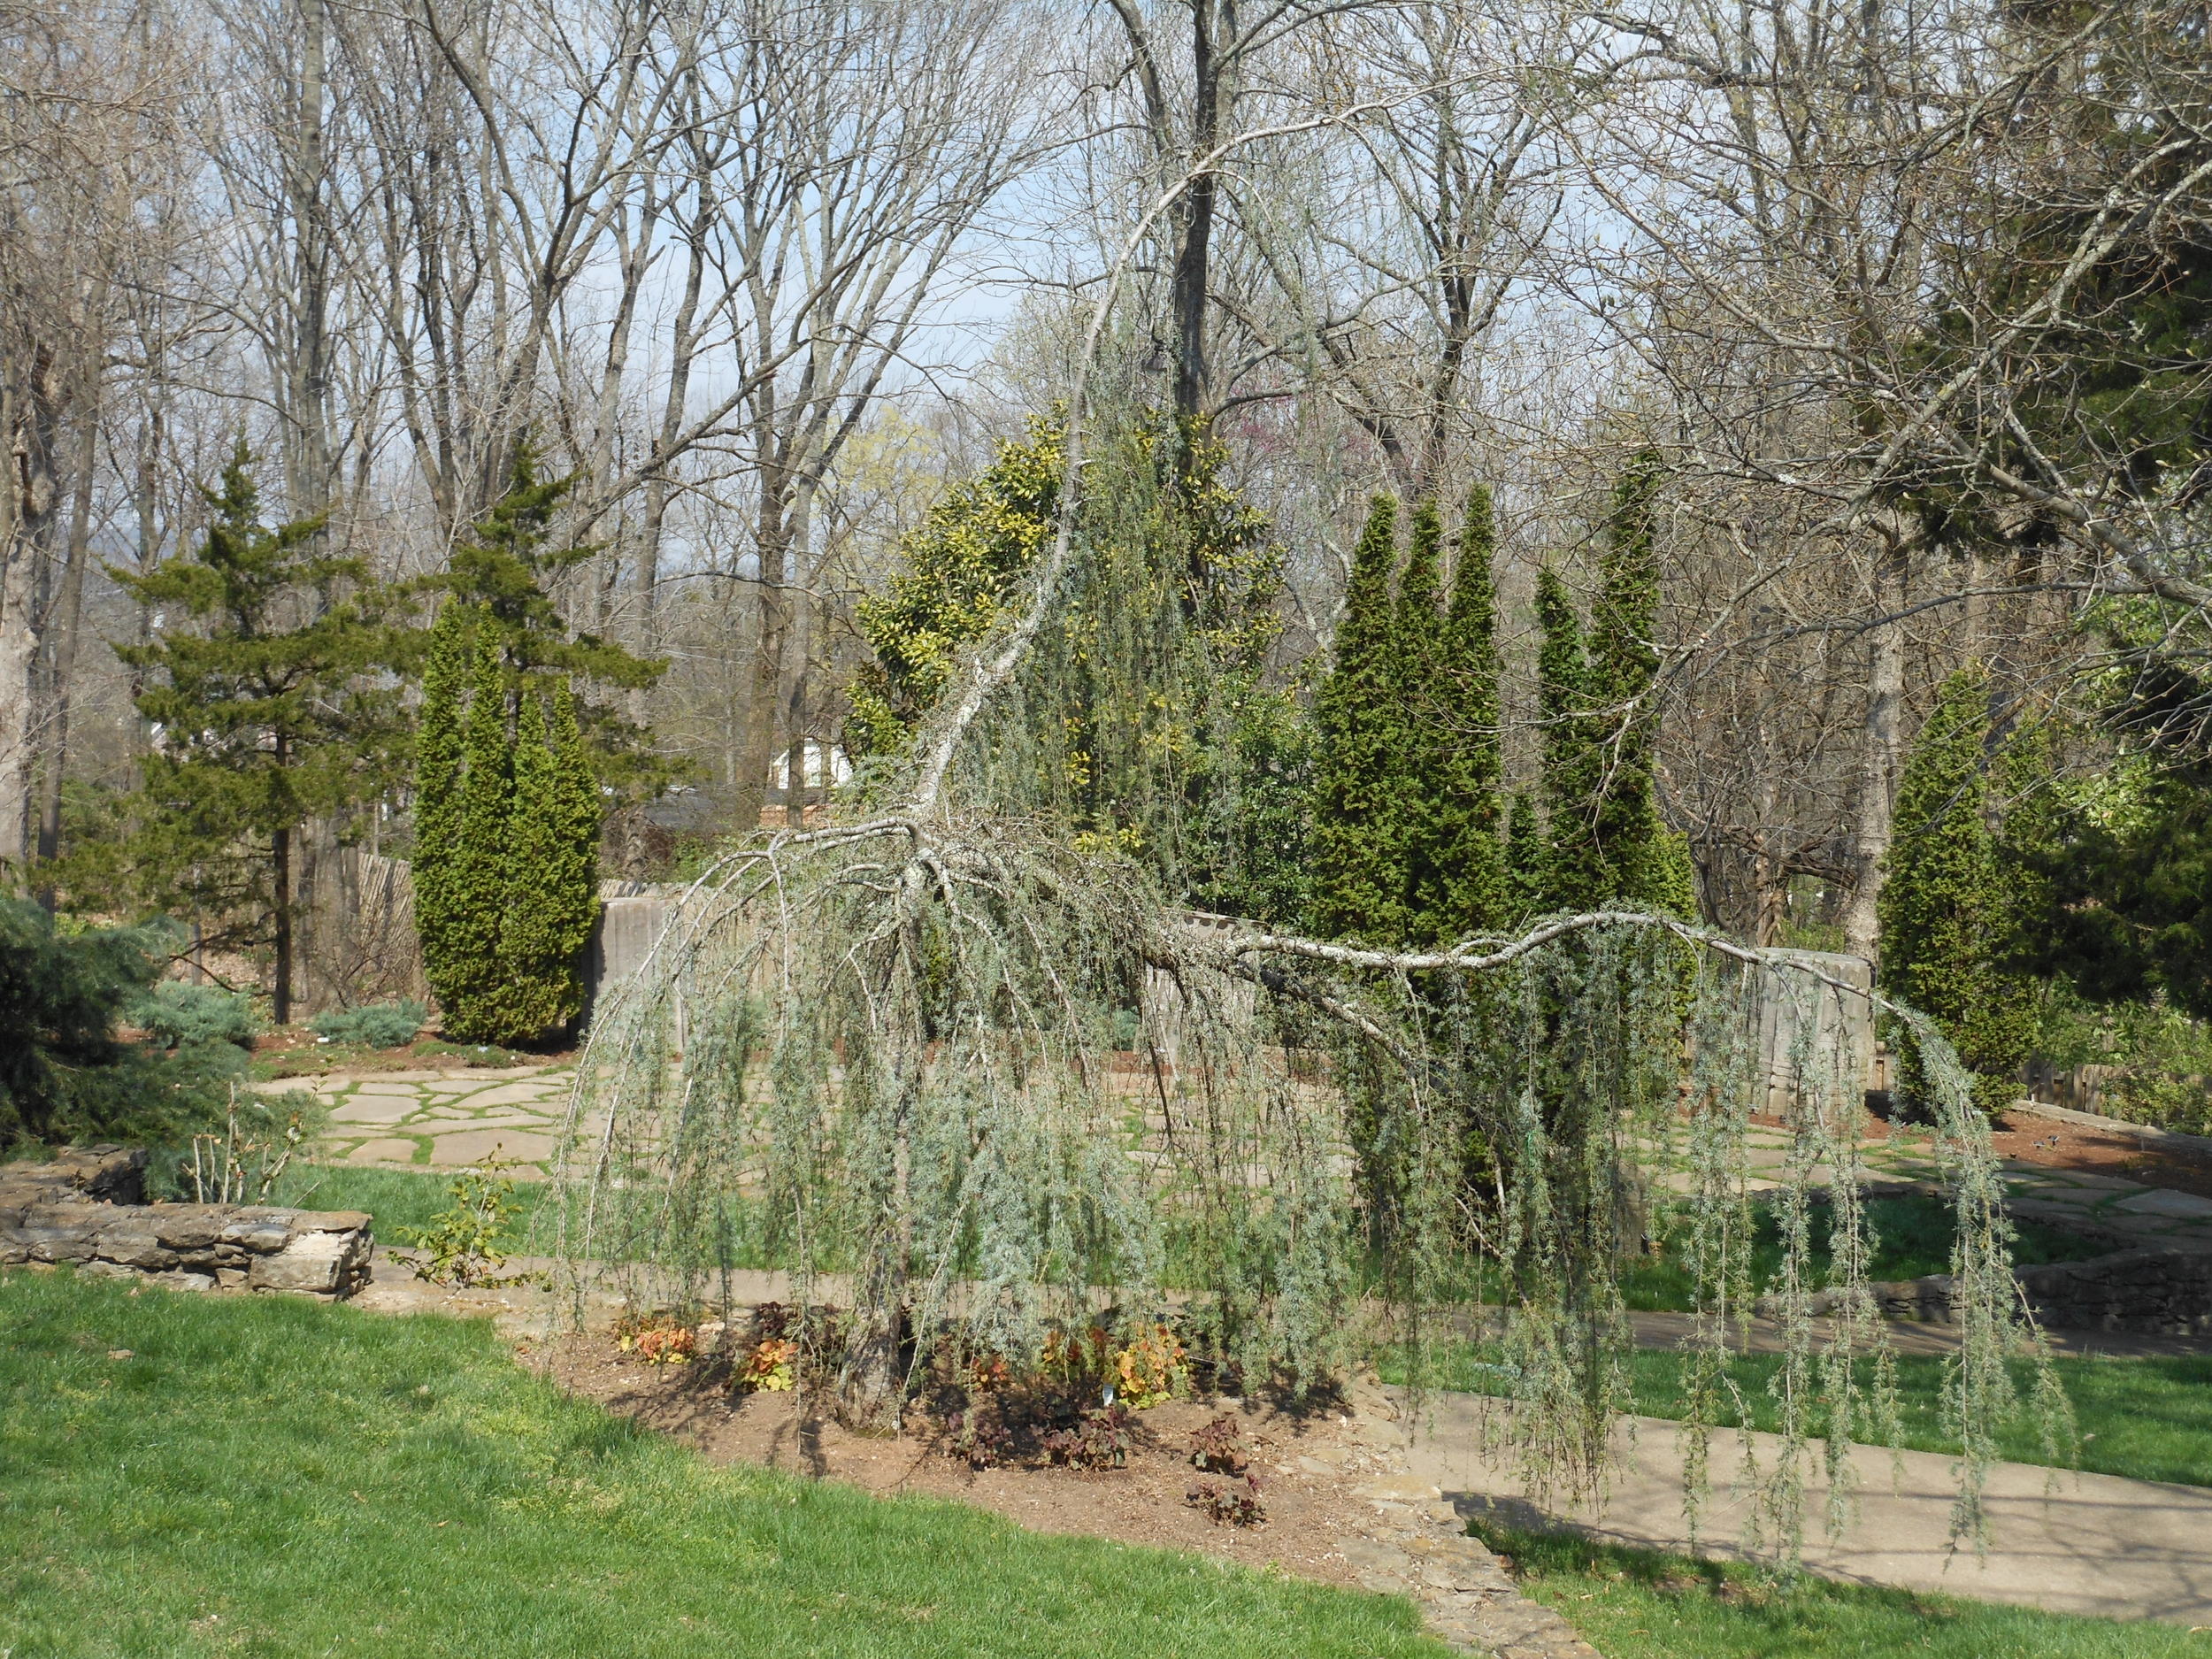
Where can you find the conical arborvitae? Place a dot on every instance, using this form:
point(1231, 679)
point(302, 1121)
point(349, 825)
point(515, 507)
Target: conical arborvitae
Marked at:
point(1630, 836)
point(467, 979)
point(1359, 794)
point(1942, 904)
point(1455, 864)
point(1527, 861)
point(438, 771)
point(541, 983)
point(1575, 875)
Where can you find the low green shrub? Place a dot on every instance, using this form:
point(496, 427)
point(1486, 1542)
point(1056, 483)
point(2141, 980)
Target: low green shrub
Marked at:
point(181, 1015)
point(63, 1075)
point(375, 1025)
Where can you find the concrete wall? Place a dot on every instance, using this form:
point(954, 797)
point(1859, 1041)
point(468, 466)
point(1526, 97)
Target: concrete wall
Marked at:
point(1838, 1025)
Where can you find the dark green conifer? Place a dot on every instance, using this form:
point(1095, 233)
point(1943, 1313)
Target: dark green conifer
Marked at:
point(1575, 877)
point(264, 684)
point(1359, 809)
point(1527, 861)
point(1942, 904)
point(439, 763)
point(1455, 864)
point(1629, 836)
point(546, 918)
point(467, 980)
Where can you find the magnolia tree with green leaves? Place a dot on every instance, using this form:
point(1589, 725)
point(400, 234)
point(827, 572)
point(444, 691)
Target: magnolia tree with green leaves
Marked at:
point(881, 1049)
point(1946, 926)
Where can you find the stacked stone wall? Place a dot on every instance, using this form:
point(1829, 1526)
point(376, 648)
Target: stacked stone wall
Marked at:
point(85, 1209)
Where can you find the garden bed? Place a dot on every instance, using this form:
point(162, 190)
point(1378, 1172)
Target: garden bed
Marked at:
point(2121, 1150)
point(1314, 1464)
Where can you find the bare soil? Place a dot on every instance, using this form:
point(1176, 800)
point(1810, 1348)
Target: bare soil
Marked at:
point(1311, 1464)
point(2063, 1146)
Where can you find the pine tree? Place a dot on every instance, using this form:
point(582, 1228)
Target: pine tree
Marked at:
point(1456, 870)
point(1359, 806)
point(262, 688)
point(1942, 904)
point(502, 572)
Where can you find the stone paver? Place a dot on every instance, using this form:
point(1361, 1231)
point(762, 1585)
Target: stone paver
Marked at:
point(374, 1108)
point(450, 1119)
point(474, 1146)
point(2157, 1202)
point(385, 1151)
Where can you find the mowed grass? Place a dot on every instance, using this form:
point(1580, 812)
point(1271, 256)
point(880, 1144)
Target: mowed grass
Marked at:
point(1641, 1604)
point(260, 1476)
point(394, 1199)
point(2149, 1420)
point(1912, 1237)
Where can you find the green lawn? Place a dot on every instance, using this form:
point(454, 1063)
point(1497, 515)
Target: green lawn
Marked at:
point(393, 1198)
point(268, 1477)
point(1639, 1604)
point(1912, 1238)
point(2148, 1418)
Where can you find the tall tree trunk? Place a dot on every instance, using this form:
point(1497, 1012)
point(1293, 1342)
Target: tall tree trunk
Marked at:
point(62, 626)
point(19, 638)
point(1880, 753)
point(1193, 247)
point(280, 848)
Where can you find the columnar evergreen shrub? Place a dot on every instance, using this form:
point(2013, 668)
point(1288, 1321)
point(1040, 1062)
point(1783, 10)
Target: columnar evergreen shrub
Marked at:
point(440, 765)
point(1575, 873)
point(1627, 830)
point(1455, 861)
point(1527, 859)
point(1360, 797)
point(1942, 909)
point(507, 830)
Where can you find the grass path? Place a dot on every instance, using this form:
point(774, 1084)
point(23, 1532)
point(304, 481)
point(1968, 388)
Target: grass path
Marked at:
point(261, 1477)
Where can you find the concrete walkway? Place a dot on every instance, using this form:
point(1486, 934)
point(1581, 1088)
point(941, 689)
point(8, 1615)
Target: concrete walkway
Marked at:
point(2096, 1544)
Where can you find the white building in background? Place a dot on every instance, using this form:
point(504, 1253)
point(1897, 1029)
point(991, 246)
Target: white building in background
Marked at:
point(822, 765)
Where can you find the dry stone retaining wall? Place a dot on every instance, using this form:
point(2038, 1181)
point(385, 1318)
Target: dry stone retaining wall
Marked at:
point(86, 1207)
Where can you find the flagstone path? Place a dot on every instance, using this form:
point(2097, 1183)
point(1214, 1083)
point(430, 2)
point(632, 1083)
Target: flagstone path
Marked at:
point(441, 1119)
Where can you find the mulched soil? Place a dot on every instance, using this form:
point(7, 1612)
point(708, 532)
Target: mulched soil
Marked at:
point(2063, 1146)
point(1309, 1463)
point(293, 1051)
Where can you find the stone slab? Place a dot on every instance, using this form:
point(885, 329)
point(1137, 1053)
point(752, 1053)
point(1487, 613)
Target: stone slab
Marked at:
point(515, 1094)
point(474, 1146)
point(375, 1109)
point(389, 1151)
point(2158, 1201)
